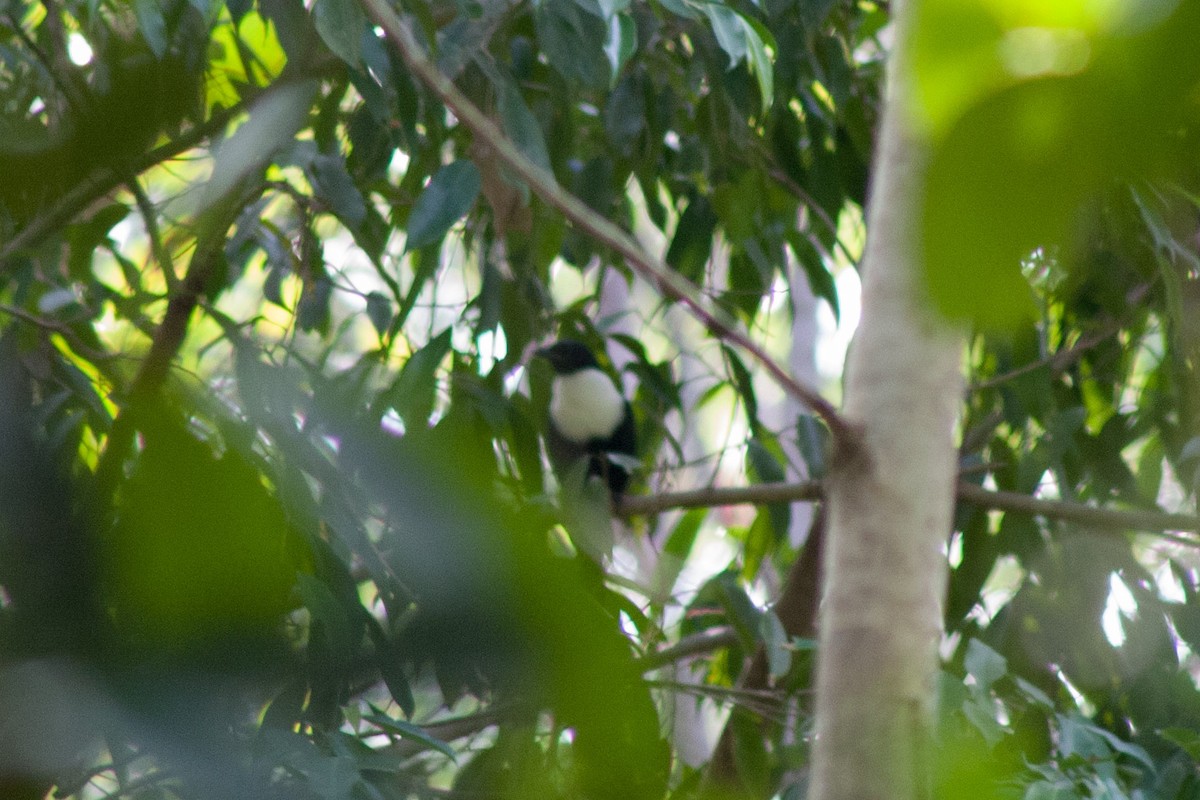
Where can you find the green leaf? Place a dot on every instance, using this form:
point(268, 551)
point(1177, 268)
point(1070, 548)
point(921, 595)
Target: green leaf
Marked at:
point(573, 41)
point(152, 25)
point(522, 126)
point(390, 660)
point(341, 24)
point(324, 606)
point(727, 27)
point(412, 394)
point(312, 312)
point(676, 551)
point(379, 310)
point(743, 383)
point(765, 467)
point(274, 119)
point(621, 43)
point(408, 731)
point(333, 184)
point(745, 39)
point(625, 122)
point(445, 200)
point(984, 664)
point(758, 39)
point(610, 8)
point(86, 237)
point(813, 438)
point(1127, 749)
point(679, 543)
point(691, 246)
point(820, 279)
point(201, 549)
point(739, 608)
point(980, 711)
point(759, 540)
point(1185, 738)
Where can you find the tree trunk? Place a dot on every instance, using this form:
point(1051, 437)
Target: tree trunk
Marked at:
point(890, 500)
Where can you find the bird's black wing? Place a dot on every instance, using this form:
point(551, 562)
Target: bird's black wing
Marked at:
point(622, 442)
point(564, 453)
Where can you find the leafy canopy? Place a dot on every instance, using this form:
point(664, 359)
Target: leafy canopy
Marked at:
point(274, 517)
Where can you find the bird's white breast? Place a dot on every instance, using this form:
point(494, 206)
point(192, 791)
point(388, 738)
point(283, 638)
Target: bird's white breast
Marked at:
point(585, 405)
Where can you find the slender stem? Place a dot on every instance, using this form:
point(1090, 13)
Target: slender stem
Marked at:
point(1156, 522)
point(708, 497)
point(150, 219)
point(694, 645)
point(64, 330)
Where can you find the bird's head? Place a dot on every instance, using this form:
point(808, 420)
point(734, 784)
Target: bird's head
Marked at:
point(569, 356)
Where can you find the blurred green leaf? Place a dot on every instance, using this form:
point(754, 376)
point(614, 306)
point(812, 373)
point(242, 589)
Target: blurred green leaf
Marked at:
point(691, 246)
point(409, 731)
point(183, 571)
point(342, 25)
point(621, 42)
point(765, 467)
point(413, 393)
point(522, 126)
point(744, 39)
point(814, 440)
point(446, 199)
point(379, 310)
point(572, 35)
point(153, 26)
point(776, 644)
point(334, 184)
point(984, 664)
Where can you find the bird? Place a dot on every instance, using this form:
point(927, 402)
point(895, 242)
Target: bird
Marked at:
point(589, 417)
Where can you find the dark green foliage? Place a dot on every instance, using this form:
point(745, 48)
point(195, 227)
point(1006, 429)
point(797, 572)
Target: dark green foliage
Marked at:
point(330, 527)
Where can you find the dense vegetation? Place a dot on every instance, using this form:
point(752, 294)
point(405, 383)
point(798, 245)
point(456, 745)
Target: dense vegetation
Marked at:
point(274, 517)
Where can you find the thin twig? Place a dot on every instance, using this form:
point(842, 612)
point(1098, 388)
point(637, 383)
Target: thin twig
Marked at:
point(72, 338)
point(1057, 361)
point(105, 180)
point(669, 282)
point(1157, 522)
point(708, 497)
point(158, 249)
point(694, 645)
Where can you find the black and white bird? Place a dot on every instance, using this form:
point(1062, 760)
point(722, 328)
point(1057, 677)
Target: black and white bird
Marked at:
point(589, 417)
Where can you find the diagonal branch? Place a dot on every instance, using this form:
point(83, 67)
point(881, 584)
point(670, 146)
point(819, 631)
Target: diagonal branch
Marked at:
point(541, 183)
point(168, 339)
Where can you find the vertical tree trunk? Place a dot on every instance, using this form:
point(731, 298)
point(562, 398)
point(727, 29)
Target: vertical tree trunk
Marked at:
point(890, 500)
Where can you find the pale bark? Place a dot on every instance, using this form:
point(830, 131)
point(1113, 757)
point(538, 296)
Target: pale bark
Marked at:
point(890, 498)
